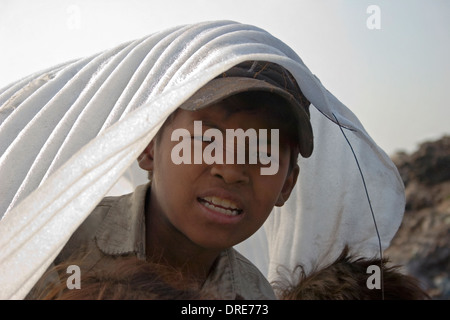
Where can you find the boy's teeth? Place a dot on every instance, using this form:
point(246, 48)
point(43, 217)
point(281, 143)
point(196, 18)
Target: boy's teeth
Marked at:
point(221, 205)
point(222, 202)
point(227, 212)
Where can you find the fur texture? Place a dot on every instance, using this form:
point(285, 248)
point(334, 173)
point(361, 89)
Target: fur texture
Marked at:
point(346, 279)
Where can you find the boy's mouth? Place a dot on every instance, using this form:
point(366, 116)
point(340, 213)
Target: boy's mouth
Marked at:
point(220, 205)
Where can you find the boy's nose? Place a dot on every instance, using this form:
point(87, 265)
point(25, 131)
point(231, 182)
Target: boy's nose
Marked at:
point(230, 173)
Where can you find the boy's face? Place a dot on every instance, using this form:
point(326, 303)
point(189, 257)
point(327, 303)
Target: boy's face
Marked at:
point(216, 206)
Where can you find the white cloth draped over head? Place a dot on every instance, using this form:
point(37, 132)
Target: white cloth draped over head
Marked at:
point(71, 134)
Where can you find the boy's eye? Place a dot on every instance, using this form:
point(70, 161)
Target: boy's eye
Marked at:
point(260, 154)
point(262, 157)
point(265, 157)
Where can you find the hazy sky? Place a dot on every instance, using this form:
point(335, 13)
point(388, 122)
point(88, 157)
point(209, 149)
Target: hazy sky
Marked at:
point(395, 78)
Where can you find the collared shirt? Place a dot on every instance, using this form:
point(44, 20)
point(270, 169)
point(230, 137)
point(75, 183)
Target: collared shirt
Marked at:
point(117, 227)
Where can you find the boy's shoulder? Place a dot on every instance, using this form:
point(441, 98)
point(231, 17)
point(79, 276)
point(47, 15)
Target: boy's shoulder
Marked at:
point(99, 213)
point(85, 233)
point(253, 284)
point(85, 236)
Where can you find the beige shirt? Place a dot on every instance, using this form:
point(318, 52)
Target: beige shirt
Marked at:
point(116, 227)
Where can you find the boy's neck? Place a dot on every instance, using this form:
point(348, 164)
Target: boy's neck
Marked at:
point(165, 244)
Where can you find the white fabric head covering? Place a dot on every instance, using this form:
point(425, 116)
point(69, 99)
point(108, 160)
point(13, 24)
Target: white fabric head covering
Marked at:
point(68, 134)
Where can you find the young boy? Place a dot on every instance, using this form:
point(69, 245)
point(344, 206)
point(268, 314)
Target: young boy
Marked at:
point(202, 199)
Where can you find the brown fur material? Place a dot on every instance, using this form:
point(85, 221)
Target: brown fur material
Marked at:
point(127, 279)
point(346, 279)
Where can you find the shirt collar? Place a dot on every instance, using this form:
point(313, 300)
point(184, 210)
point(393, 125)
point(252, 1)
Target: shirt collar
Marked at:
point(123, 229)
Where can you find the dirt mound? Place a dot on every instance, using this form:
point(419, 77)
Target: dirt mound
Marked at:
point(422, 243)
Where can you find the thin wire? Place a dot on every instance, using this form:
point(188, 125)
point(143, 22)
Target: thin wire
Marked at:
point(370, 204)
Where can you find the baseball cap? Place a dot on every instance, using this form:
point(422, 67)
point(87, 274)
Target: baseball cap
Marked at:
point(259, 76)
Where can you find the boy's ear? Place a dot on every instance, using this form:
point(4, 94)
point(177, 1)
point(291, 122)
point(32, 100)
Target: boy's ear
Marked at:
point(145, 159)
point(288, 186)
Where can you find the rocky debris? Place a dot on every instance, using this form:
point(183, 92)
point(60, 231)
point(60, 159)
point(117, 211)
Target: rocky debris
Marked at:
point(422, 243)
